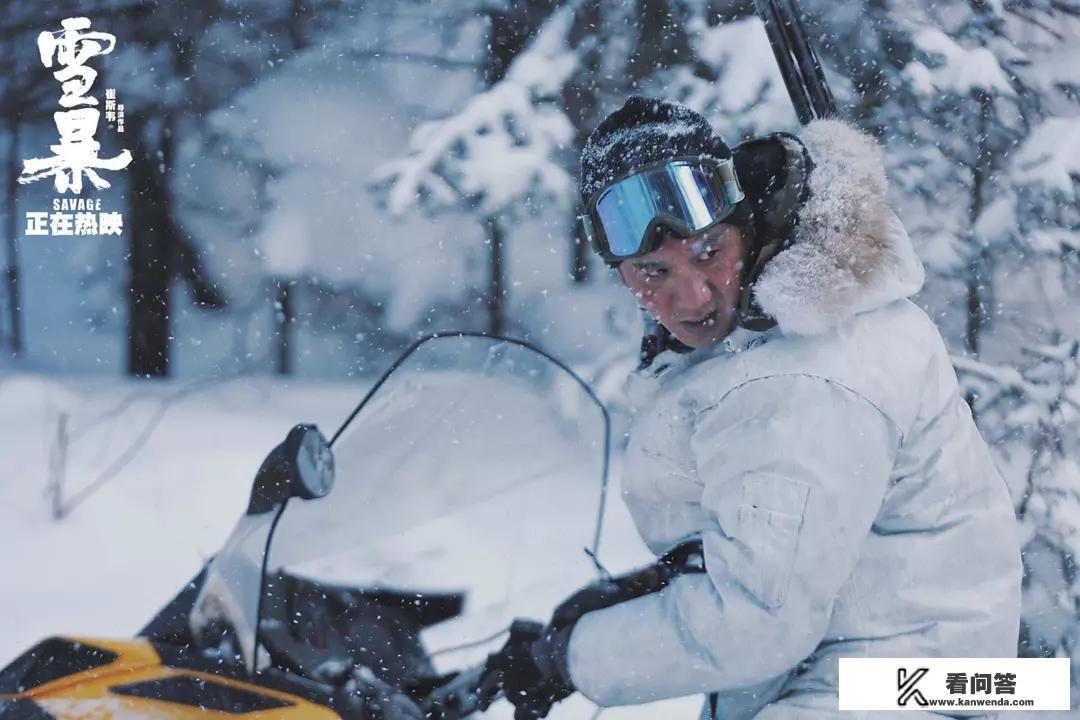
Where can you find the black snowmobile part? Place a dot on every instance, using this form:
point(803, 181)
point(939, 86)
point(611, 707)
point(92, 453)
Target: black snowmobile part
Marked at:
point(796, 58)
point(378, 627)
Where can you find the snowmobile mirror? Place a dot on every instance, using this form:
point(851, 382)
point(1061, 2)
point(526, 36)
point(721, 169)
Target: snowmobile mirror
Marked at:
point(302, 466)
point(314, 466)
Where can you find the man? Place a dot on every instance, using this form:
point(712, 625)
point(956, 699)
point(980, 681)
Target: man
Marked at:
point(811, 435)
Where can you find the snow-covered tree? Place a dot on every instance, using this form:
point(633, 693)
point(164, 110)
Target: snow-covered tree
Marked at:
point(983, 147)
point(1031, 415)
point(499, 154)
point(978, 88)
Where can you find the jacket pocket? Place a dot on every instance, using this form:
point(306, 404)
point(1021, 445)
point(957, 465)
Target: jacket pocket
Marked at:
point(768, 521)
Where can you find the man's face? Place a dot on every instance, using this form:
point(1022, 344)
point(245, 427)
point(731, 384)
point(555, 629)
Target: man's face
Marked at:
point(691, 285)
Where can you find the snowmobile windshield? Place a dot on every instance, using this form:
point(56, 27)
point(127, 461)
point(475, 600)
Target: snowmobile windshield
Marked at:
point(477, 467)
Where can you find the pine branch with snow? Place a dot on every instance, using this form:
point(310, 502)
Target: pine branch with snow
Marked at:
point(751, 98)
point(503, 147)
point(1031, 415)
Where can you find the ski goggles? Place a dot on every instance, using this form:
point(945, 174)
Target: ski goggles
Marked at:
point(686, 195)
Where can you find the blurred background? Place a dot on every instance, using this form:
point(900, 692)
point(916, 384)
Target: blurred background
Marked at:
point(316, 183)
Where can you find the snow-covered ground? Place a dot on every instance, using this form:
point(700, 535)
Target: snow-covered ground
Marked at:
point(108, 565)
point(111, 563)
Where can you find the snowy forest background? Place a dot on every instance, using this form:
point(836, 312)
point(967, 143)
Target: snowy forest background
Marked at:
point(316, 183)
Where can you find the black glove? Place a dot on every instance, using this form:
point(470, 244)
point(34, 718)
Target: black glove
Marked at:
point(687, 557)
point(531, 668)
point(365, 697)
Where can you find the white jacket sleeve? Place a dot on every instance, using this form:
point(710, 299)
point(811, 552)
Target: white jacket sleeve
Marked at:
point(793, 470)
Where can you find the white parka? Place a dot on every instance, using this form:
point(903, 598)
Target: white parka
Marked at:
point(847, 503)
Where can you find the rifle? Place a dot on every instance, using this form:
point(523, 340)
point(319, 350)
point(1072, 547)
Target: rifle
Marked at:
point(795, 56)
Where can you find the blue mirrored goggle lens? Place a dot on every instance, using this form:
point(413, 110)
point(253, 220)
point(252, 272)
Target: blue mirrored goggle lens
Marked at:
point(681, 190)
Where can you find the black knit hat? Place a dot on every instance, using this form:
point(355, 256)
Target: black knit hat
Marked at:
point(644, 131)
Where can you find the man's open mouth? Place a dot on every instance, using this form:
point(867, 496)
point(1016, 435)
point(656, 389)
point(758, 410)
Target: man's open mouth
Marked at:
point(705, 322)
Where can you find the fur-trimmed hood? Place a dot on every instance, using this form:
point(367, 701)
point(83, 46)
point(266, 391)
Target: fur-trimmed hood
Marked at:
point(849, 252)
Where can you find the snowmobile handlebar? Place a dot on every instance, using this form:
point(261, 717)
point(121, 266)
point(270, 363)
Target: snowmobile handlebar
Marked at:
point(471, 690)
point(476, 688)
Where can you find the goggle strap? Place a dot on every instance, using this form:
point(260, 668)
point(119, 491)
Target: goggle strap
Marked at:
point(732, 188)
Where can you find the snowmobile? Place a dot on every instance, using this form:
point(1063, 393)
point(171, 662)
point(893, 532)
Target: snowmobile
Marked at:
point(372, 568)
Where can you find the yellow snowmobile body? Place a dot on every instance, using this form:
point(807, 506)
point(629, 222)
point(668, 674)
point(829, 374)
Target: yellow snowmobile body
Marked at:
point(84, 679)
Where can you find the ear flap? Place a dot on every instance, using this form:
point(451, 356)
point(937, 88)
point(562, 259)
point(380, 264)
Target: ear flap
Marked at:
point(774, 172)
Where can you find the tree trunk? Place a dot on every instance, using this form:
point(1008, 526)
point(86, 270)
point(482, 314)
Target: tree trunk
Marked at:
point(980, 272)
point(581, 101)
point(978, 280)
point(509, 31)
point(496, 282)
point(284, 315)
point(151, 249)
point(579, 264)
point(979, 266)
point(157, 252)
point(11, 231)
point(662, 41)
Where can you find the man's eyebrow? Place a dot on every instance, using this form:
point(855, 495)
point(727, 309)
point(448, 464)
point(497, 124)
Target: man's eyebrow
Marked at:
point(705, 243)
point(647, 264)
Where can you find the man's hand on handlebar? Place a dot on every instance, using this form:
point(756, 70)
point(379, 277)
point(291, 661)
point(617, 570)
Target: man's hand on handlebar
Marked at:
point(362, 696)
point(527, 671)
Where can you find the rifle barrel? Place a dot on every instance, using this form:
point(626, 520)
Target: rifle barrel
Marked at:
point(798, 63)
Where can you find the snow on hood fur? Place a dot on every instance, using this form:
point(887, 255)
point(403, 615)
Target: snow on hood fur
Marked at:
point(849, 253)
